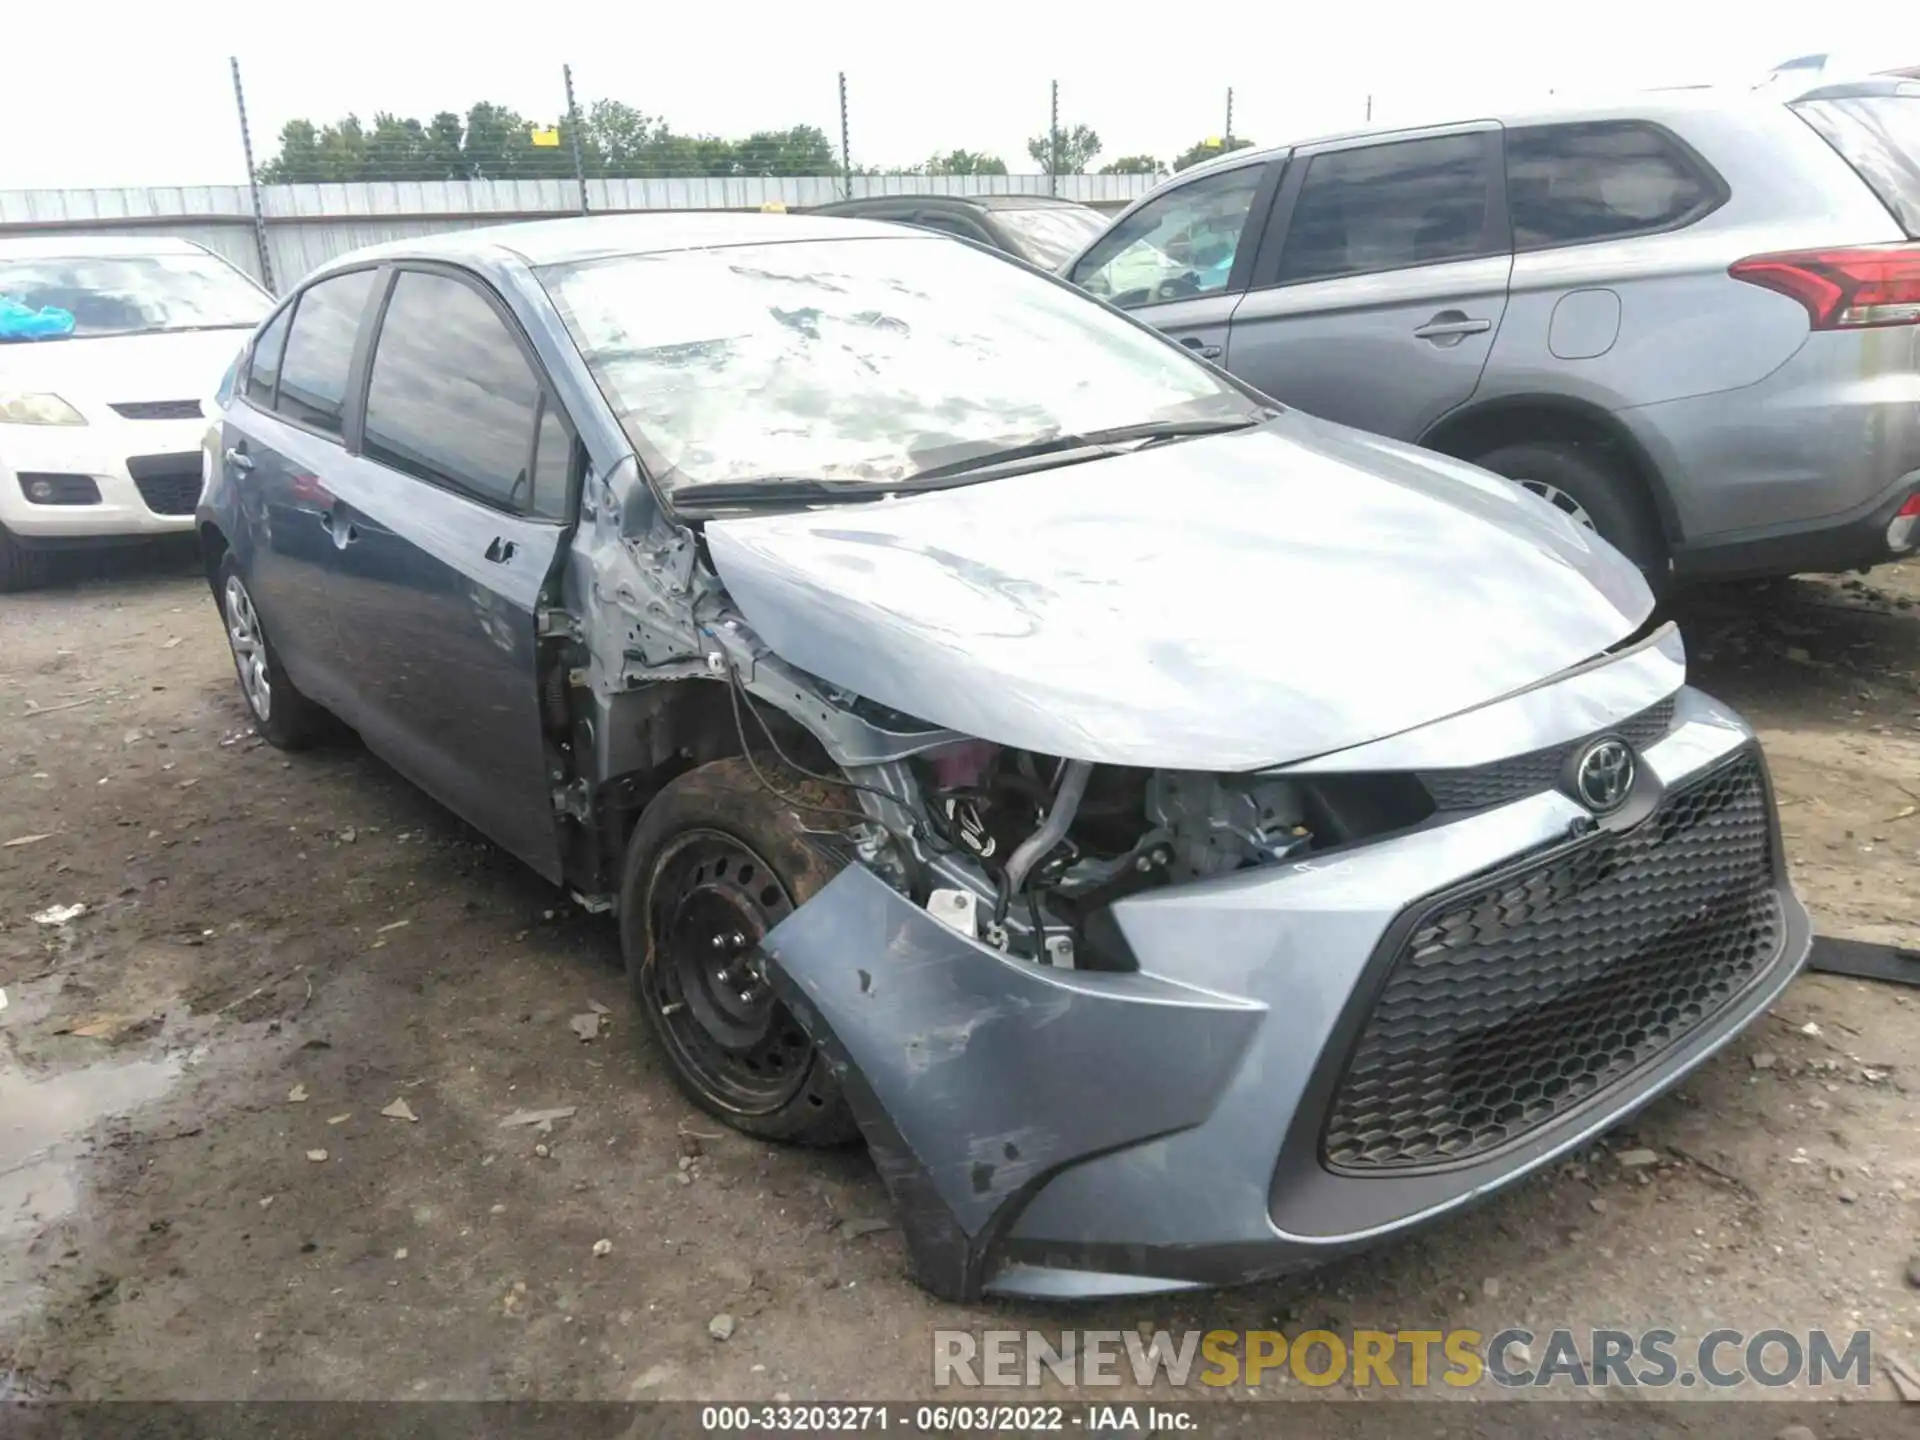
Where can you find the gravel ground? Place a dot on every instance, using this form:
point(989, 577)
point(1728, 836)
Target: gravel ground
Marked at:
point(250, 1099)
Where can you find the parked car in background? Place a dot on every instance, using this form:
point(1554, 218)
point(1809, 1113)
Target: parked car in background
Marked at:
point(1040, 229)
point(1690, 320)
point(956, 687)
point(101, 421)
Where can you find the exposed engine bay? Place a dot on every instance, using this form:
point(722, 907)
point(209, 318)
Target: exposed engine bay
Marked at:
point(1026, 852)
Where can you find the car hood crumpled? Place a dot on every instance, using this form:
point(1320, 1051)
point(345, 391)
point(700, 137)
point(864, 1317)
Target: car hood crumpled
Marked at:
point(1227, 603)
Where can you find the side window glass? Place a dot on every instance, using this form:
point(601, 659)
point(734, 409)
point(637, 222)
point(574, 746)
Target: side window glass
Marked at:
point(313, 375)
point(1570, 183)
point(1180, 245)
point(552, 464)
point(264, 371)
point(452, 398)
point(1387, 207)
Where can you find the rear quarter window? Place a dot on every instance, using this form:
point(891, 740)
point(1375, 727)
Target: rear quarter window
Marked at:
point(1576, 184)
point(1879, 136)
point(319, 351)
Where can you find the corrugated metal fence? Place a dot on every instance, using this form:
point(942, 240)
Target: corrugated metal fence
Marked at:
point(307, 225)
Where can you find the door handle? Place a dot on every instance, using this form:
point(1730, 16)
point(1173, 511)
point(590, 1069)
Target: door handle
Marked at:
point(343, 534)
point(1202, 348)
point(238, 458)
point(501, 550)
point(1451, 324)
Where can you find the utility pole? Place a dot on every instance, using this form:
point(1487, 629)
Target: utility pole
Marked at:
point(846, 146)
point(1053, 144)
point(573, 133)
point(1369, 109)
point(1229, 134)
point(253, 181)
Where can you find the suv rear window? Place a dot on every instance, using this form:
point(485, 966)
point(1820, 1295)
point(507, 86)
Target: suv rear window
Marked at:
point(1572, 184)
point(1879, 136)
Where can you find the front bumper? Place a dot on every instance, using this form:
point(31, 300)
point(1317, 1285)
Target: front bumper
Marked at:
point(1069, 1134)
point(147, 473)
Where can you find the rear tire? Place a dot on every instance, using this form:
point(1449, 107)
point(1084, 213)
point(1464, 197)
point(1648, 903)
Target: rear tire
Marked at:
point(20, 567)
point(288, 719)
point(1591, 489)
point(715, 862)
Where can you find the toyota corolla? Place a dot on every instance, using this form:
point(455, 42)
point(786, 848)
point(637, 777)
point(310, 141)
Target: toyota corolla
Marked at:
point(1185, 839)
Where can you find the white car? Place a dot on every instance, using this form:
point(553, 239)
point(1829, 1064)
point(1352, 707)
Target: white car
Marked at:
point(101, 426)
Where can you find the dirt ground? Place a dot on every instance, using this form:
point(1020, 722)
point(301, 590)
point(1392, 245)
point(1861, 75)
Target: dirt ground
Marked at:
point(205, 1191)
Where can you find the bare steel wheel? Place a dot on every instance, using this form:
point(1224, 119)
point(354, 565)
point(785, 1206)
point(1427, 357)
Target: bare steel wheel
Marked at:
point(713, 901)
point(716, 862)
point(285, 717)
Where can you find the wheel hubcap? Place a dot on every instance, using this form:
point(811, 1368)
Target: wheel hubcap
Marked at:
point(1561, 501)
point(712, 901)
point(249, 648)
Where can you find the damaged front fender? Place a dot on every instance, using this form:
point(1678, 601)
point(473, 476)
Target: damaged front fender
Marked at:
point(975, 1077)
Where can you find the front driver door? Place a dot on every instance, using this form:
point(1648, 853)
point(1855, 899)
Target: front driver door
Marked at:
point(448, 523)
point(1181, 261)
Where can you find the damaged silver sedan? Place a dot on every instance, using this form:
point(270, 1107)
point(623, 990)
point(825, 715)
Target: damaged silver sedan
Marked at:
point(1185, 839)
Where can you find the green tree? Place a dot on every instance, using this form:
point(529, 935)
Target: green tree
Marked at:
point(1078, 146)
point(966, 162)
point(1134, 165)
point(616, 139)
point(803, 150)
point(298, 162)
point(1207, 150)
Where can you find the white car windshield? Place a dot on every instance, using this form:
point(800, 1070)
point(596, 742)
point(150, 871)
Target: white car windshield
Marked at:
point(863, 360)
point(136, 294)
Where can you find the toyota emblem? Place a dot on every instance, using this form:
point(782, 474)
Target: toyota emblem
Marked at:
point(1604, 775)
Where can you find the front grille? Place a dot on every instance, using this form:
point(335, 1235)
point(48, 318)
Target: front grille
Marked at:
point(1522, 775)
point(158, 410)
point(170, 484)
point(1510, 1003)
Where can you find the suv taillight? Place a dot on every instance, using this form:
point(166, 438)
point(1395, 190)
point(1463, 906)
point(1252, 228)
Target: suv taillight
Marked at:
point(1853, 289)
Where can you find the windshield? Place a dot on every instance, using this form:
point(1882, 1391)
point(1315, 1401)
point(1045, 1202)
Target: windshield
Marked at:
point(864, 360)
point(1052, 234)
point(136, 294)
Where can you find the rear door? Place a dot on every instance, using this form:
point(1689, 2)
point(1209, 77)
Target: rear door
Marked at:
point(447, 524)
point(282, 448)
point(1379, 303)
point(1181, 260)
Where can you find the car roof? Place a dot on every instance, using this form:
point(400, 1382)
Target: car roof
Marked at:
point(1656, 106)
point(70, 247)
point(590, 237)
point(863, 203)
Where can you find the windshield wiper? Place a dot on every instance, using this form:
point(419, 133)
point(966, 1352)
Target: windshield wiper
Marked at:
point(790, 490)
point(1149, 431)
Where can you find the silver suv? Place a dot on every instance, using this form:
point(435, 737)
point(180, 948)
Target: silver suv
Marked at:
point(1691, 321)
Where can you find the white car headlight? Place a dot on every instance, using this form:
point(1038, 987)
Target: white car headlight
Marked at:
point(23, 408)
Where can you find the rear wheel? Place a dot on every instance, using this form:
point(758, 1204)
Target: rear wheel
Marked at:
point(1590, 489)
point(20, 568)
point(288, 719)
point(715, 863)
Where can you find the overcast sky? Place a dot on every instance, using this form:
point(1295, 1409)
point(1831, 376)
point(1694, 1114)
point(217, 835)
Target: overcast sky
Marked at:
point(151, 102)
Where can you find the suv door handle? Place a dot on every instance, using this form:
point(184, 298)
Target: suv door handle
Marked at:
point(1201, 348)
point(1452, 324)
point(501, 550)
point(238, 458)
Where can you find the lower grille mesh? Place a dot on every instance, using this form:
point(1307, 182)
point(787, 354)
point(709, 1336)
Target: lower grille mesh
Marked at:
point(1509, 1005)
